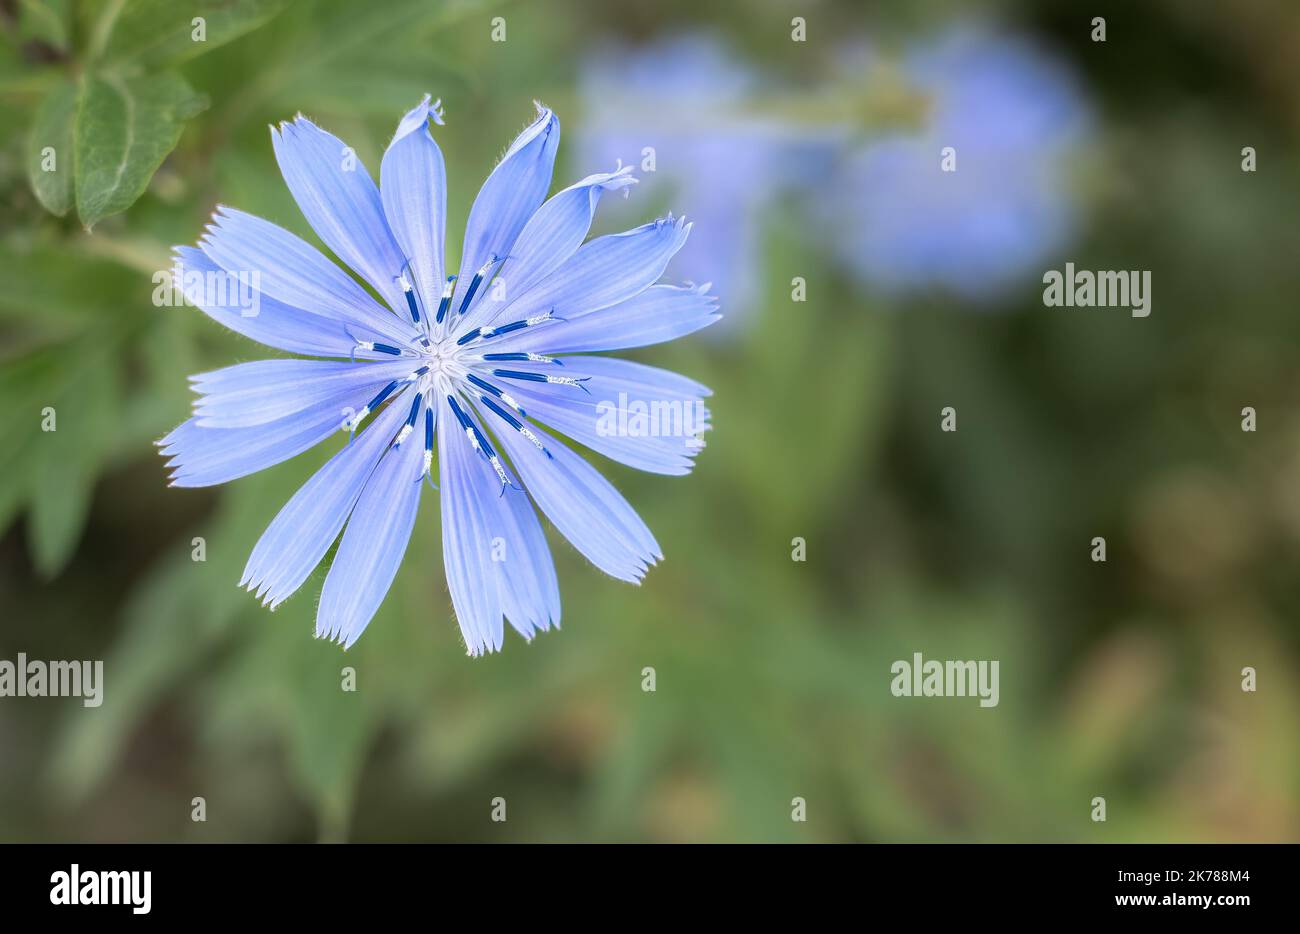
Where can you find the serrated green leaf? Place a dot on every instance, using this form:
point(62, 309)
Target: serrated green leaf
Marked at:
point(125, 128)
point(163, 32)
point(50, 165)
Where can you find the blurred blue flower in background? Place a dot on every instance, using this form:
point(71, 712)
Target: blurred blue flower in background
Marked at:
point(691, 107)
point(1011, 113)
point(714, 139)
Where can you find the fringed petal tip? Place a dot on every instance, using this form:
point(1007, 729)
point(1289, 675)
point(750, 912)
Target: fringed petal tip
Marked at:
point(335, 634)
point(262, 588)
point(675, 226)
point(621, 177)
point(287, 127)
point(543, 125)
point(479, 651)
point(418, 117)
point(678, 221)
point(713, 302)
point(702, 289)
point(528, 630)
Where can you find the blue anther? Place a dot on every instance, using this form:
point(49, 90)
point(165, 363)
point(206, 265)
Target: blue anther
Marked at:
point(482, 384)
point(509, 419)
point(476, 282)
point(446, 298)
point(520, 374)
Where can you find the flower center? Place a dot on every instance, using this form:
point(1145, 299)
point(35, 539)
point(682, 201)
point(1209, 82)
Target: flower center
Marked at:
point(440, 358)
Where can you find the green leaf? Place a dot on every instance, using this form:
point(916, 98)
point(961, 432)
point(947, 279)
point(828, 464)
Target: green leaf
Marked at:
point(125, 128)
point(44, 21)
point(163, 32)
point(50, 165)
point(67, 460)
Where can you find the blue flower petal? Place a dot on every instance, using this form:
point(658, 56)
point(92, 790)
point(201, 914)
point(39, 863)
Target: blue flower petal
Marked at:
point(303, 531)
point(262, 391)
point(466, 537)
point(660, 313)
point(291, 270)
point(413, 186)
point(207, 456)
point(372, 546)
point(526, 583)
point(558, 229)
point(274, 324)
point(610, 375)
point(638, 415)
point(584, 506)
point(584, 419)
point(510, 196)
point(341, 202)
point(604, 271)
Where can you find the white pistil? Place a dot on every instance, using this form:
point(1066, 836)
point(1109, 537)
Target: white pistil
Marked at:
point(533, 438)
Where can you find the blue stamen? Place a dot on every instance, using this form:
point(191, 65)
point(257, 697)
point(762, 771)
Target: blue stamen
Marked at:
point(410, 294)
point(496, 391)
point(406, 430)
point(427, 471)
point(486, 332)
point(484, 447)
point(483, 384)
point(410, 303)
point(517, 425)
point(520, 374)
point(521, 357)
point(510, 420)
point(476, 282)
point(455, 410)
point(382, 395)
point(542, 378)
point(370, 406)
point(369, 346)
point(446, 298)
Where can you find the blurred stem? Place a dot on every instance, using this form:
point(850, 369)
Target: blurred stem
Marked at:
point(147, 256)
point(103, 29)
point(333, 824)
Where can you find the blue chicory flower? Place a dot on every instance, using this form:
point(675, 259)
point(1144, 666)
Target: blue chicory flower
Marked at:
point(461, 370)
point(1012, 113)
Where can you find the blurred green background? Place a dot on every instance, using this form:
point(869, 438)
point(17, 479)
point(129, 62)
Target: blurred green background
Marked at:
point(1120, 679)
